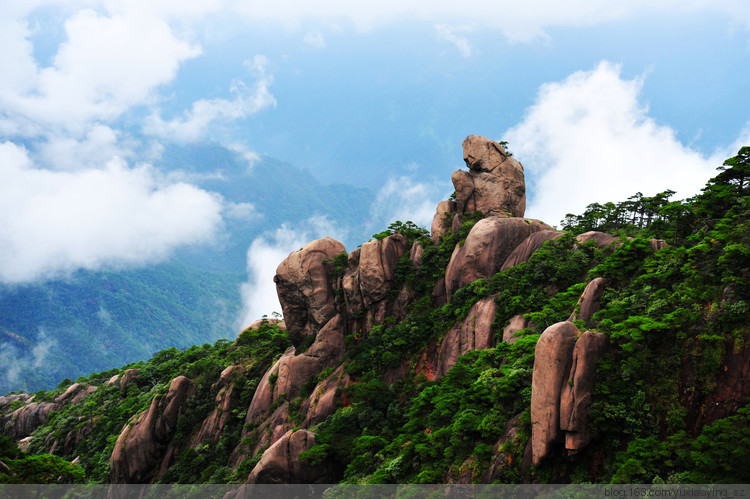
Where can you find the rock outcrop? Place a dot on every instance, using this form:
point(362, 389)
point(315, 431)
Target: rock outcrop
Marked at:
point(322, 401)
point(26, 419)
point(443, 219)
point(494, 183)
point(523, 251)
point(263, 398)
point(473, 333)
point(281, 463)
point(516, 324)
point(575, 398)
point(305, 289)
point(377, 266)
point(552, 360)
point(212, 426)
point(503, 460)
point(602, 239)
point(590, 301)
point(140, 446)
point(486, 248)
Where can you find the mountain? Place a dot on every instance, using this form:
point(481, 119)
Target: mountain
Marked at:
point(97, 320)
point(490, 349)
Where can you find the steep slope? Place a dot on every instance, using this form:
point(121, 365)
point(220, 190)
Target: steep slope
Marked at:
point(589, 358)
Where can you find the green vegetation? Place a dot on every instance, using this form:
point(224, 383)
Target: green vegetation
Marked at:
point(100, 320)
point(29, 468)
point(667, 405)
point(104, 412)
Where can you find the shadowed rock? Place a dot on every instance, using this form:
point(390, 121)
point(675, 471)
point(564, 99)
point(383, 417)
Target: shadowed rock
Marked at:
point(575, 398)
point(502, 461)
point(24, 420)
point(263, 398)
point(140, 446)
point(305, 289)
point(487, 246)
point(322, 401)
point(552, 360)
point(280, 463)
point(516, 324)
point(442, 221)
point(473, 333)
point(291, 371)
point(523, 251)
point(415, 255)
point(212, 426)
point(657, 244)
point(128, 377)
point(590, 301)
point(377, 266)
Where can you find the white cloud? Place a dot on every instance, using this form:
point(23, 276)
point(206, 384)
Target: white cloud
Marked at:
point(314, 39)
point(42, 348)
point(14, 360)
point(266, 253)
point(250, 156)
point(100, 144)
point(245, 212)
point(194, 124)
point(589, 139)
point(405, 199)
point(518, 21)
point(53, 223)
point(109, 62)
point(449, 34)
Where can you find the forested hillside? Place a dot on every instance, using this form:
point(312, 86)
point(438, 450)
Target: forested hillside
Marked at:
point(492, 348)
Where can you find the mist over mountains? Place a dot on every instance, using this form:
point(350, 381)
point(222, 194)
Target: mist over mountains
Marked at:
point(97, 319)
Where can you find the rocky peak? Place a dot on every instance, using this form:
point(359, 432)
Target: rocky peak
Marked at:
point(494, 183)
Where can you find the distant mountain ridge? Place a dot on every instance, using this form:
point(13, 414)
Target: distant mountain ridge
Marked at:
point(97, 320)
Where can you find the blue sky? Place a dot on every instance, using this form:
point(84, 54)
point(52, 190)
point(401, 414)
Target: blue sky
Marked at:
point(597, 101)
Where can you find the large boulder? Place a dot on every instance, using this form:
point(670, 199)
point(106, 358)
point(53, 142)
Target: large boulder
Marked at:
point(487, 246)
point(602, 239)
point(140, 446)
point(286, 377)
point(322, 402)
point(305, 289)
point(517, 323)
point(575, 398)
point(473, 333)
point(523, 251)
point(552, 360)
point(441, 222)
point(260, 405)
point(494, 183)
point(212, 426)
point(377, 266)
point(280, 463)
point(24, 420)
point(590, 301)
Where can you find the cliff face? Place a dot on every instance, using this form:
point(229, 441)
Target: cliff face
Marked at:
point(469, 355)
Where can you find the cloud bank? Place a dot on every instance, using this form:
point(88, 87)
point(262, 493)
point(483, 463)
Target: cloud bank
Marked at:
point(406, 199)
point(589, 139)
point(518, 21)
point(53, 223)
